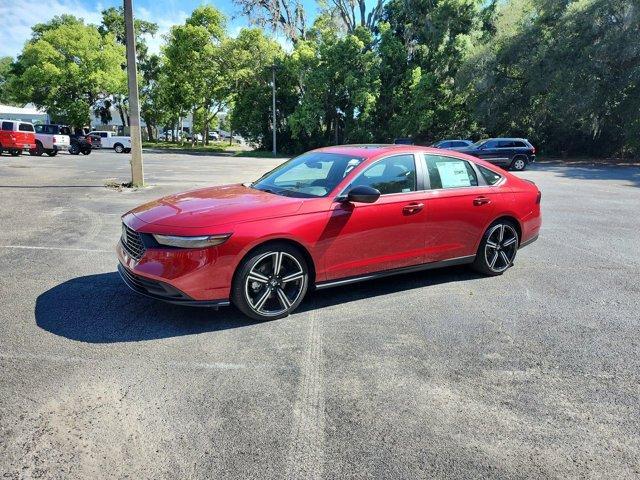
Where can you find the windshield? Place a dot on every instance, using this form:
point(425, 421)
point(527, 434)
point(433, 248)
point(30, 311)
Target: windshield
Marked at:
point(313, 174)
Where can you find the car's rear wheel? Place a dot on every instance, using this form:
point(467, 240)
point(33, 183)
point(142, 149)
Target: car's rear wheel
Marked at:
point(498, 249)
point(271, 282)
point(118, 147)
point(38, 151)
point(519, 163)
point(51, 153)
point(15, 152)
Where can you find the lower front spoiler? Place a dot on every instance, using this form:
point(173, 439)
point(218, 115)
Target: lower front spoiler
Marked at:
point(163, 291)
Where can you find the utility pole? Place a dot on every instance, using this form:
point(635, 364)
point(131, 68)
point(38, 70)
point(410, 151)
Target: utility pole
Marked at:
point(137, 172)
point(273, 106)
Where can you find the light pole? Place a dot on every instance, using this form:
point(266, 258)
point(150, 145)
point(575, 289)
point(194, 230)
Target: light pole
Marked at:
point(273, 106)
point(137, 172)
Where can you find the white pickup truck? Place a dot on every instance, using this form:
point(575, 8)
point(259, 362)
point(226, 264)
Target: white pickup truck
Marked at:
point(50, 139)
point(109, 140)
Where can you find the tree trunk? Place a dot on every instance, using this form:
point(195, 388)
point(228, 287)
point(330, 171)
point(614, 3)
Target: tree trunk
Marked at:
point(150, 131)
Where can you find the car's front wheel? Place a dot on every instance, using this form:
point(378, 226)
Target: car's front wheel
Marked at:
point(270, 282)
point(119, 148)
point(498, 249)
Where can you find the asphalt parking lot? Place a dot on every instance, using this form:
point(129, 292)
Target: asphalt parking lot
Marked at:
point(534, 374)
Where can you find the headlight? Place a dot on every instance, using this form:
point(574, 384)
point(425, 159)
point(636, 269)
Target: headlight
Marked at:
point(191, 242)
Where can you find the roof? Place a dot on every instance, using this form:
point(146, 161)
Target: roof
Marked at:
point(371, 150)
point(26, 110)
point(365, 150)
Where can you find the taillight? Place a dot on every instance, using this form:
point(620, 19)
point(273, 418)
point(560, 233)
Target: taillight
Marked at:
point(54, 139)
point(89, 140)
point(539, 197)
point(533, 150)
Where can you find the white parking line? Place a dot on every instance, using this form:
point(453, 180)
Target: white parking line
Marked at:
point(64, 249)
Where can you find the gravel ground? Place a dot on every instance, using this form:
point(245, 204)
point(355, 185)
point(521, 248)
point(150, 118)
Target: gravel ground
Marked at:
point(440, 374)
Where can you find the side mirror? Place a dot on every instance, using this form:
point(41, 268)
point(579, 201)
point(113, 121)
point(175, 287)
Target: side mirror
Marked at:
point(363, 194)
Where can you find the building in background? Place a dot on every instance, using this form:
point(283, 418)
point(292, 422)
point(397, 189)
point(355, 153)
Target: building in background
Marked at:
point(28, 113)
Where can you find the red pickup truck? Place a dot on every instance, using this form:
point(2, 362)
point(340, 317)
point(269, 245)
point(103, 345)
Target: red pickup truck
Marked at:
point(16, 136)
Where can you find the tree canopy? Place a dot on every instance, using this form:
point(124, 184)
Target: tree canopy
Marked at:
point(564, 74)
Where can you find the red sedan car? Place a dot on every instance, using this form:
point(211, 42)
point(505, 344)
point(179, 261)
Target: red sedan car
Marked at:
point(329, 217)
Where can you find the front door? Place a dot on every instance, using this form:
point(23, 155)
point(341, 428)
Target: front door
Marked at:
point(364, 238)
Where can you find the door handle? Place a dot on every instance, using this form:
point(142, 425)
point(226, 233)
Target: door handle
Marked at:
point(481, 201)
point(412, 208)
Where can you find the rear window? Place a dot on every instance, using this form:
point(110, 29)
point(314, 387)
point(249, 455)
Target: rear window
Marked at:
point(447, 172)
point(25, 127)
point(7, 126)
point(65, 131)
point(490, 176)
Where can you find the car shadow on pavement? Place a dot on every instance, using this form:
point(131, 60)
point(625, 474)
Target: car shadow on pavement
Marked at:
point(101, 309)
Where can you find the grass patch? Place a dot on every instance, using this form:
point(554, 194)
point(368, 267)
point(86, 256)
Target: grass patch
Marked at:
point(260, 154)
point(212, 147)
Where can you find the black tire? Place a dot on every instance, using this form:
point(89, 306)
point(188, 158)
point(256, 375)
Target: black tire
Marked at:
point(257, 291)
point(519, 163)
point(86, 150)
point(74, 149)
point(495, 260)
point(15, 152)
point(127, 150)
point(119, 148)
point(1, 149)
point(38, 151)
point(51, 153)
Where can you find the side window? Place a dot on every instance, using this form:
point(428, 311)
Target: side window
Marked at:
point(103, 134)
point(65, 131)
point(25, 127)
point(7, 126)
point(39, 128)
point(395, 174)
point(505, 144)
point(448, 172)
point(489, 175)
point(519, 145)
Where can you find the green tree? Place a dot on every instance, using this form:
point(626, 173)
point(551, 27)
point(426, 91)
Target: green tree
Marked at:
point(5, 75)
point(193, 66)
point(66, 68)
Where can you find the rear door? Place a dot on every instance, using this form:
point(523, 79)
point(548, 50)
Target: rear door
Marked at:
point(460, 205)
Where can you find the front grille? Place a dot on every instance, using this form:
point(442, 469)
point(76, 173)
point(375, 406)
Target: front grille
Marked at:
point(151, 287)
point(132, 242)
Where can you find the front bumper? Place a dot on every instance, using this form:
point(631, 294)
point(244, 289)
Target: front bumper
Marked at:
point(163, 291)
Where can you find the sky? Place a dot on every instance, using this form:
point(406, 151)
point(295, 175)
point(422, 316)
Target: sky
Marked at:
point(18, 16)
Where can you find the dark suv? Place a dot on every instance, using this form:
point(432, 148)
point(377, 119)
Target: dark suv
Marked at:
point(513, 153)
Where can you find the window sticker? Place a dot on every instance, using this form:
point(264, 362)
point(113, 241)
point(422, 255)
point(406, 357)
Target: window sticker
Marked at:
point(453, 174)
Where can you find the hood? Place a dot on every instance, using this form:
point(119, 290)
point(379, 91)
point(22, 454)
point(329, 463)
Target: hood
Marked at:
point(206, 207)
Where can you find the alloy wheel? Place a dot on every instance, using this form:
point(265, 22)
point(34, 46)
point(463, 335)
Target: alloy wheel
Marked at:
point(519, 164)
point(500, 247)
point(274, 283)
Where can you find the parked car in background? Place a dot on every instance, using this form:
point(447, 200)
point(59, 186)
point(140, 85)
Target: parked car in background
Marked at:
point(214, 136)
point(452, 144)
point(403, 141)
point(509, 153)
point(327, 218)
point(51, 139)
point(16, 136)
point(120, 144)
